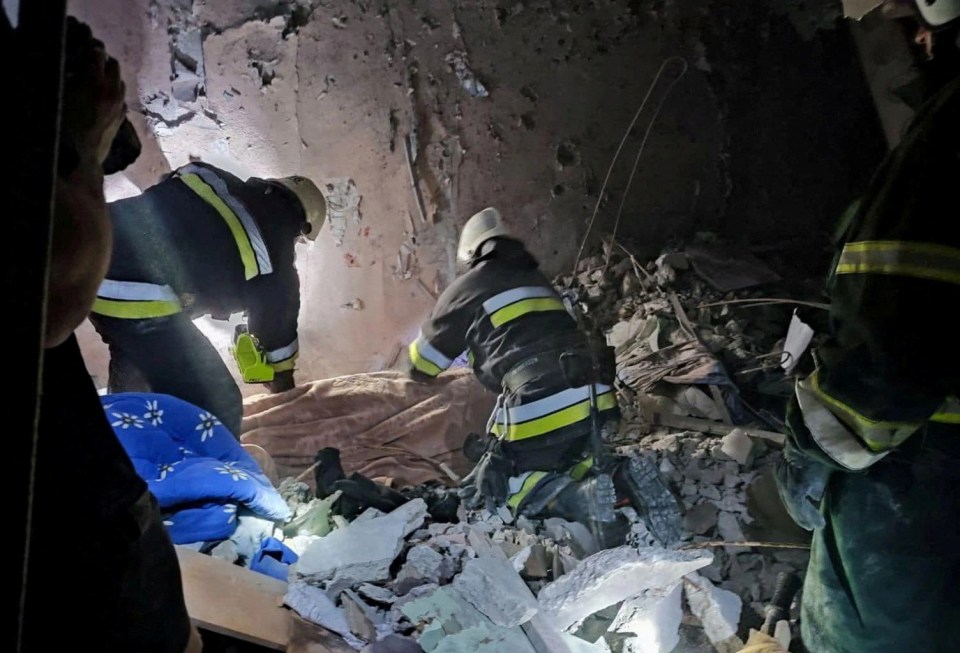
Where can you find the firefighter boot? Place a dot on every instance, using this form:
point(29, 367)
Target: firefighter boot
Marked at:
point(590, 501)
point(638, 480)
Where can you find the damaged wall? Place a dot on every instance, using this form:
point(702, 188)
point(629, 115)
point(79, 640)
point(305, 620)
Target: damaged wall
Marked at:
point(518, 104)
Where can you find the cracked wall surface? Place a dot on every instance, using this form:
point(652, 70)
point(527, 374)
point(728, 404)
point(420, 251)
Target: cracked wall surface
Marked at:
point(515, 104)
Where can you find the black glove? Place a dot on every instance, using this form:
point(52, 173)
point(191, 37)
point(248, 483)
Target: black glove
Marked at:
point(487, 485)
point(801, 483)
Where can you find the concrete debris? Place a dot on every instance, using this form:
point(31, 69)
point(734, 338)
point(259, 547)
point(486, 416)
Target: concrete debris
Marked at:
point(226, 550)
point(361, 619)
point(423, 564)
point(314, 605)
point(495, 589)
point(531, 562)
point(459, 64)
point(739, 446)
point(718, 611)
point(653, 617)
point(393, 644)
point(355, 304)
point(701, 518)
point(484, 639)
point(363, 551)
point(613, 575)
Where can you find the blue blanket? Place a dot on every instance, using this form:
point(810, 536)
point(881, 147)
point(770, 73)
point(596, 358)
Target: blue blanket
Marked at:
point(194, 466)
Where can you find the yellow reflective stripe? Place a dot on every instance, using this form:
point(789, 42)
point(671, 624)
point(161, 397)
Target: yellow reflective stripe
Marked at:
point(284, 365)
point(135, 309)
point(247, 255)
point(580, 470)
point(902, 258)
point(421, 363)
point(867, 428)
point(529, 483)
point(561, 418)
point(948, 413)
point(525, 306)
point(946, 418)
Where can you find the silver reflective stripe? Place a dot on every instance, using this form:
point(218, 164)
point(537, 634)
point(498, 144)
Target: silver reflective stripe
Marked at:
point(249, 224)
point(551, 404)
point(515, 483)
point(831, 435)
point(432, 354)
point(136, 291)
point(497, 302)
point(283, 353)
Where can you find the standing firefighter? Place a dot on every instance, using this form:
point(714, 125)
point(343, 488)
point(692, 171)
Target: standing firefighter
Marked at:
point(555, 387)
point(204, 242)
point(873, 462)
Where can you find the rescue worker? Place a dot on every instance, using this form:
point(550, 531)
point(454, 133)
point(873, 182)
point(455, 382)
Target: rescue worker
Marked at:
point(872, 464)
point(555, 388)
point(202, 241)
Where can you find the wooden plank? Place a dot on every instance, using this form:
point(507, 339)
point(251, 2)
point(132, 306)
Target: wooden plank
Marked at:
point(234, 601)
point(713, 428)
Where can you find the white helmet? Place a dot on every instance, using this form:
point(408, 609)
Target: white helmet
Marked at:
point(311, 199)
point(937, 13)
point(479, 229)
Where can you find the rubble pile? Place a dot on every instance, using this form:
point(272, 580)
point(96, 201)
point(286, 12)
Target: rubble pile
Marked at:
point(433, 577)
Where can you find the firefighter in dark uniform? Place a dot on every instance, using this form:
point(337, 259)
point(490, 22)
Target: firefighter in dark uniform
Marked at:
point(555, 387)
point(204, 242)
point(872, 464)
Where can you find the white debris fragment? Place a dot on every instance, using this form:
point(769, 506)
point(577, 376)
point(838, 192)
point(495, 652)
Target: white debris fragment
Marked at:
point(343, 204)
point(613, 575)
point(739, 446)
point(495, 589)
point(458, 62)
point(718, 611)
point(654, 617)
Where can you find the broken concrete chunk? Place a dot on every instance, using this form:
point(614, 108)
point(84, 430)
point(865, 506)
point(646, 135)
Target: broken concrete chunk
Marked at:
point(701, 518)
point(359, 618)
point(729, 527)
point(613, 575)
point(486, 639)
point(494, 588)
point(739, 446)
point(531, 562)
point(423, 562)
point(654, 617)
point(362, 551)
point(393, 644)
point(314, 605)
point(376, 594)
point(718, 611)
point(445, 607)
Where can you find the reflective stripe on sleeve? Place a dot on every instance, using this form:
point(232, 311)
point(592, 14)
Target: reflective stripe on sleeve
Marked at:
point(901, 258)
point(427, 358)
point(511, 304)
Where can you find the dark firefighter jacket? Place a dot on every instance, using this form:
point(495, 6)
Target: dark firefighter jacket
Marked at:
point(884, 571)
point(504, 313)
point(891, 364)
point(203, 241)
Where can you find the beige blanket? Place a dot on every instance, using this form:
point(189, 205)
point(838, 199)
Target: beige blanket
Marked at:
point(383, 423)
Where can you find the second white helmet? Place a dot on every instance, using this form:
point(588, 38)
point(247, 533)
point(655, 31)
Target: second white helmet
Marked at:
point(480, 228)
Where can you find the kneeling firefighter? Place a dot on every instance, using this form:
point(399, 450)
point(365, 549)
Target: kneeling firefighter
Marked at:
point(203, 241)
point(543, 455)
